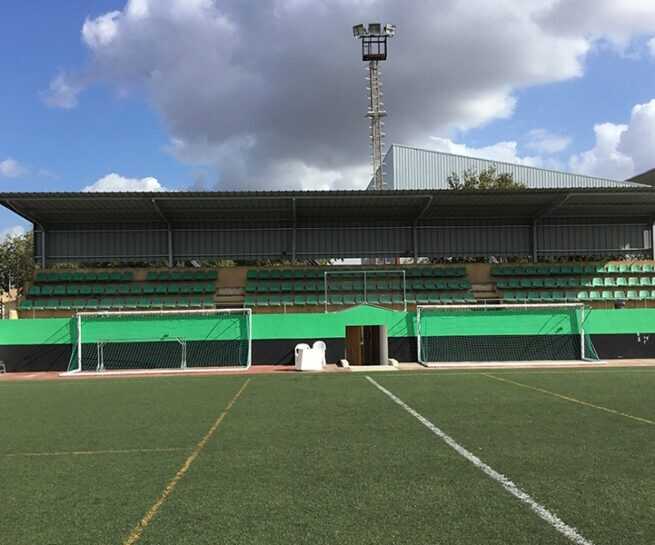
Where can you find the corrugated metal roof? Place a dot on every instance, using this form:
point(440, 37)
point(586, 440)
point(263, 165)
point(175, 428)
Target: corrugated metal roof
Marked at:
point(413, 168)
point(259, 208)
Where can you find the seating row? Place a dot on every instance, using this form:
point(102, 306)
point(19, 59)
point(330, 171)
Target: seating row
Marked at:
point(314, 274)
point(563, 296)
point(346, 286)
point(573, 269)
point(79, 276)
point(607, 281)
point(115, 303)
point(175, 276)
point(119, 289)
point(373, 299)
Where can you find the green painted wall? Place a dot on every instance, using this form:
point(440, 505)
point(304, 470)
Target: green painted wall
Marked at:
point(332, 325)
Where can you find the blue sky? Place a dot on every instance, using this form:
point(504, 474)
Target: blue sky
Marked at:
point(171, 92)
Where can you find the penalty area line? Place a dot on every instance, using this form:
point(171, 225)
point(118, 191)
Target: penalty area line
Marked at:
point(542, 512)
point(137, 531)
point(570, 399)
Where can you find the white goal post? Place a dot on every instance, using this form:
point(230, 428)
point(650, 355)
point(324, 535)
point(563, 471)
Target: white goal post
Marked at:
point(162, 340)
point(502, 333)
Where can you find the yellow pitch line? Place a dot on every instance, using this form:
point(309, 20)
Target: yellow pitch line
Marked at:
point(138, 530)
point(572, 399)
point(92, 452)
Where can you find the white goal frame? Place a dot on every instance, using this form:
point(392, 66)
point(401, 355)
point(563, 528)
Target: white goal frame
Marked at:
point(366, 275)
point(247, 312)
point(483, 307)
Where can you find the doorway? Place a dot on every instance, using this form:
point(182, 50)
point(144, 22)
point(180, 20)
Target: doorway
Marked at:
point(367, 345)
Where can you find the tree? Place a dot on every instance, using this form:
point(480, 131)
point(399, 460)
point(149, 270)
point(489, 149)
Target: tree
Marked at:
point(16, 261)
point(485, 180)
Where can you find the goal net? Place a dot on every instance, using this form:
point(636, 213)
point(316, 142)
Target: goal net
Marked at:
point(503, 333)
point(162, 340)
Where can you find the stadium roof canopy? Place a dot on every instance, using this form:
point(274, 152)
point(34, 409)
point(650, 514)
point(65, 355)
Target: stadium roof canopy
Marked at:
point(355, 207)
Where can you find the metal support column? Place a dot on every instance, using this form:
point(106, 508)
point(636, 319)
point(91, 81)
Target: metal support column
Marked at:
point(293, 231)
point(535, 244)
point(171, 258)
point(43, 257)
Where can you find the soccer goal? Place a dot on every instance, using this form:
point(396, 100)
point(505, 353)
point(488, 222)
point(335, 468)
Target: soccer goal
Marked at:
point(503, 333)
point(162, 340)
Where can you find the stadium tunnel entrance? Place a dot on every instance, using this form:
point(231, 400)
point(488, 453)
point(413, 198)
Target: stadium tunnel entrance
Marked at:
point(367, 345)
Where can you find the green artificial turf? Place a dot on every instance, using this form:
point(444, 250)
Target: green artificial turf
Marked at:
point(328, 459)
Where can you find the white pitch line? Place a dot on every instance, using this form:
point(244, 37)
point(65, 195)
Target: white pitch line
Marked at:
point(551, 518)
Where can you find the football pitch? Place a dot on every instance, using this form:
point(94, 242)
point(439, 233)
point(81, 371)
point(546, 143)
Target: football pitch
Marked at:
point(504, 457)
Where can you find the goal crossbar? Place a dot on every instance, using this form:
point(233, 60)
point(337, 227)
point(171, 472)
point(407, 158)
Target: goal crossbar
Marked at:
point(142, 341)
point(508, 333)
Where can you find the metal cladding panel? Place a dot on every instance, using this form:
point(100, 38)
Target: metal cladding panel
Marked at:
point(593, 239)
point(474, 240)
point(425, 169)
point(344, 241)
point(232, 243)
point(125, 244)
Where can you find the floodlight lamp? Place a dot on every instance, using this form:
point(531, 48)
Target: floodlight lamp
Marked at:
point(390, 30)
point(375, 28)
point(359, 31)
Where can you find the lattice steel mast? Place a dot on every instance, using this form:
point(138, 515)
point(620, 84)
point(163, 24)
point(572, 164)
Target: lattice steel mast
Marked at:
point(374, 49)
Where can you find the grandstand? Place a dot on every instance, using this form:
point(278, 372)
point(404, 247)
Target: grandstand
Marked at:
point(585, 255)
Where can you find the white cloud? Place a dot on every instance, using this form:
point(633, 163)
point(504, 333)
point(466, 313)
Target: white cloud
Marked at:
point(10, 168)
point(63, 92)
point(116, 182)
point(13, 231)
point(248, 108)
point(638, 141)
point(621, 150)
point(506, 152)
point(604, 159)
point(543, 141)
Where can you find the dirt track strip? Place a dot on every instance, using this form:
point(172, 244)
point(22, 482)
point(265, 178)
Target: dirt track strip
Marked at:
point(331, 369)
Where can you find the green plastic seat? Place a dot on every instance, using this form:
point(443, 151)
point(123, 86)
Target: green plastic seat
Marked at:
point(252, 274)
point(152, 276)
point(644, 294)
point(595, 296)
point(196, 302)
point(26, 304)
point(633, 281)
point(609, 282)
point(421, 298)
point(172, 289)
point(648, 268)
point(374, 299)
point(584, 296)
point(386, 299)
point(98, 290)
point(275, 300)
point(300, 300)
point(633, 295)
point(619, 294)
point(34, 291)
point(645, 281)
point(111, 290)
point(47, 290)
point(624, 268)
point(621, 281)
point(249, 300)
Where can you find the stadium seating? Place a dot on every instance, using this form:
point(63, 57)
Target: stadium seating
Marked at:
point(589, 282)
point(118, 290)
point(347, 287)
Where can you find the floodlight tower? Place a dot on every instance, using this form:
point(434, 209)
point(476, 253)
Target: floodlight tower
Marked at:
point(374, 49)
